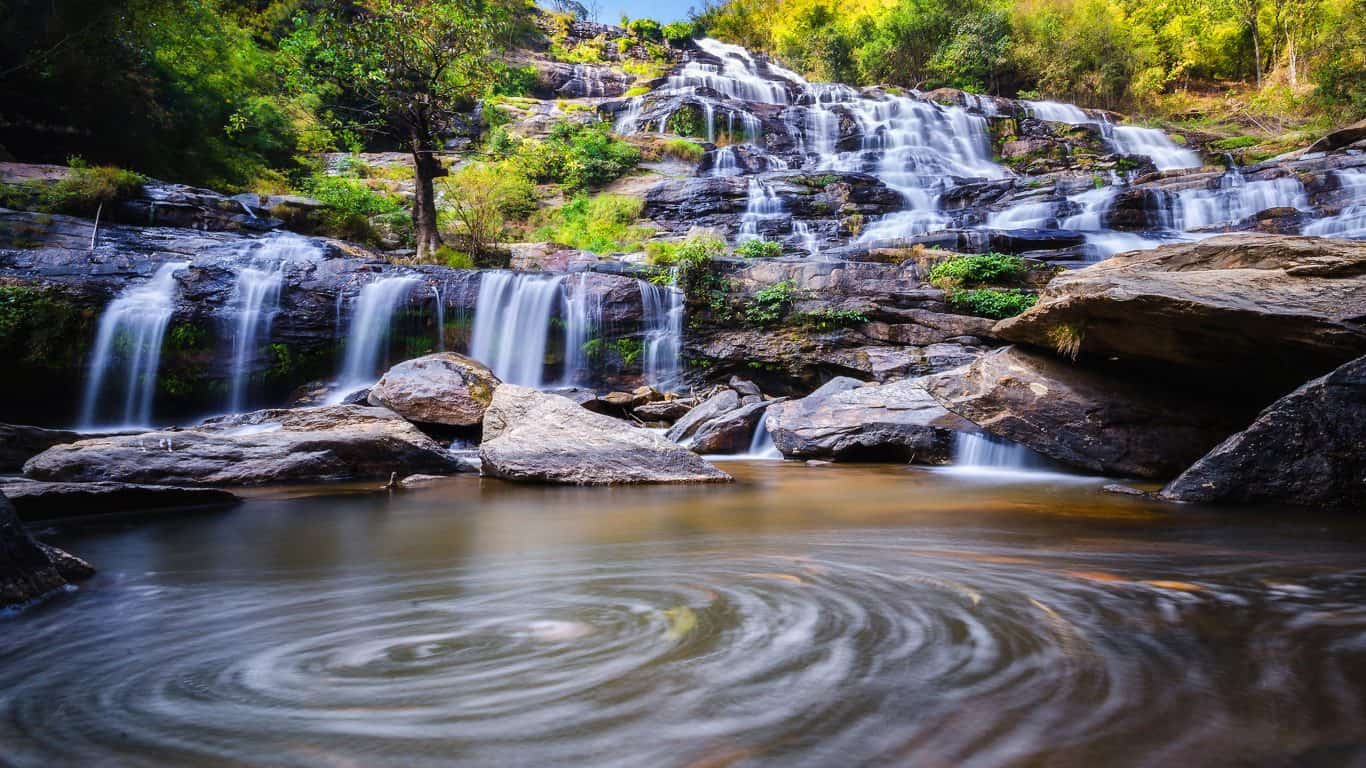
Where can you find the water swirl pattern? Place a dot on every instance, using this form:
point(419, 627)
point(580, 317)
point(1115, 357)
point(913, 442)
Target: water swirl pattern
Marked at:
point(484, 625)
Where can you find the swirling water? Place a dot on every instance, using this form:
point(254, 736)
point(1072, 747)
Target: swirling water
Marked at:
point(807, 615)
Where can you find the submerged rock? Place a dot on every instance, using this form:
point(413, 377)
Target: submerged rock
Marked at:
point(37, 500)
point(849, 420)
point(537, 437)
point(308, 444)
point(1306, 449)
point(1094, 420)
point(445, 388)
point(28, 569)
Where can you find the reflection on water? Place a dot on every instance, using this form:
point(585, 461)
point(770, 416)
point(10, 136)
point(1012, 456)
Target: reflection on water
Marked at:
point(808, 615)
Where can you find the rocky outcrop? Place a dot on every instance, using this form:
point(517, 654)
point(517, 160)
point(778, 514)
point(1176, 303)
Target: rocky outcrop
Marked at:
point(531, 436)
point(1098, 421)
point(28, 569)
point(445, 389)
point(1307, 449)
point(305, 445)
point(724, 422)
point(50, 501)
point(849, 420)
point(20, 443)
point(1255, 308)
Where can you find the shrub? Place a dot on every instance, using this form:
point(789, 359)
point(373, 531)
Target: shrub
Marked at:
point(480, 201)
point(645, 29)
point(1235, 142)
point(759, 249)
point(981, 268)
point(768, 305)
point(992, 303)
point(85, 189)
point(687, 120)
point(577, 156)
point(349, 205)
point(602, 224)
point(678, 32)
point(694, 251)
point(682, 149)
point(826, 319)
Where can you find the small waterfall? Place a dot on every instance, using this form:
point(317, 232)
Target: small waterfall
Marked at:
point(802, 231)
point(368, 337)
point(663, 310)
point(440, 319)
point(1350, 222)
point(763, 203)
point(512, 324)
point(582, 321)
point(1152, 143)
point(723, 162)
point(1057, 112)
point(1236, 199)
point(130, 334)
point(256, 299)
point(761, 445)
point(984, 454)
point(1025, 216)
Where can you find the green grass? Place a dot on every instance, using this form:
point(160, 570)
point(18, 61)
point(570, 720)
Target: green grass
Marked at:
point(759, 249)
point(977, 269)
point(992, 303)
point(683, 149)
point(601, 224)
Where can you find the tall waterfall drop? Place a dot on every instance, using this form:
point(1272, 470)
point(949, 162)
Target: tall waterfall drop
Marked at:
point(129, 337)
point(664, 311)
point(254, 304)
point(512, 324)
point(368, 335)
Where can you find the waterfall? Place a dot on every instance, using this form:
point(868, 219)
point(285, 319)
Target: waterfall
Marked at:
point(663, 311)
point(255, 300)
point(804, 234)
point(440, 319)
point(1024, 216)
point(981, 453)
point(1235, 199)
point(512, 324)
point(1350, 222)
point(130, 333)
point(761, 444)
point(368, 336)
point(1154, 144)
point(763, 203)
point(582, 320)
point(723, 162)
point(1057, 112)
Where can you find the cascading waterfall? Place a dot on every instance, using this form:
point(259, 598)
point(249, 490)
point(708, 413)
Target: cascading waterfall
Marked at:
point(1235, 199)
point(130, 335)
point(254, 304)
point(761, 444)
point(1350, 221)
point(512, 324)
point(1024, 216)
point(1057, 112)
point(440, 319)
point(763, 204)
point(582, 322)
point(981, 453)
point(368, 335)
point(663, 310)
point(1152, 143)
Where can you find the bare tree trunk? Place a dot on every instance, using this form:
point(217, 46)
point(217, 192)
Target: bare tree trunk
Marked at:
point(426, 169)
point(1256, 47)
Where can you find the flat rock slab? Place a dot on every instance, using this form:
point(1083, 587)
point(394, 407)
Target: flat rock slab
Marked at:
point(849, 420)
point(36, 500)
point(1306, 449)
point(537, 437)
point(304, 445)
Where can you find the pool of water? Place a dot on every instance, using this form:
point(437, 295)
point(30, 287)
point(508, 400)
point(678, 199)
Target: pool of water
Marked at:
point(806, 615)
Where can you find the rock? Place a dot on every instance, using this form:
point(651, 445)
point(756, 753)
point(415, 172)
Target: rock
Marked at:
point(28, 569)
point(713, 407)
point(1307, 449)
point(747, 390)
point(1266, 310)
point(1094, 420)
point(49, 501)
point(667, 410)
point(419, 481)
point(445, 388)
point(537, 437)
point(1342, 137)
point(19, 443)
point(308, 444)
point(1119, 489)
point(848, 420)
point(730, 432)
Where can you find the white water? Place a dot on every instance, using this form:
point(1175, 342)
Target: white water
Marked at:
point(664, 316)
point(1024, 216)
point(440, 319)
point(761, 445)
point(986, 456)
point(582, 321)
point(129, 339)
point(1235, 199)
point(1057, 112)
point(1165, 154)
point(512, 324)
point(255, 302)
point(1350, 222)
point(368, 335)
point(763, 204)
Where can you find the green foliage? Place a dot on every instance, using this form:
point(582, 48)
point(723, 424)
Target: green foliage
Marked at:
point(513, 81)
point(1235, 142)
point(759, 249)
point(687, 121)
point(770, 304)
point(577, 156)
point(683, 149)
point(455, 259)
point(976, 269)
point(827, 319)
point(85, 189)
point(350, 205)
point(602, 224)
point(679, 32)
point(692, 252)
point(629, 350)
point(40, 329)
point(645, 29)
point(479, 203)
point(991, 302)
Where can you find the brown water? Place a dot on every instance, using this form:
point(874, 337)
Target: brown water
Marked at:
point(808, 615)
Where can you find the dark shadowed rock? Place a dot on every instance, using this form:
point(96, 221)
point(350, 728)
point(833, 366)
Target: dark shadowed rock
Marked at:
point(537, 437)
point(1306, 449)
point(717, 405)
point(1097, 421)
point(664, 410)
point(848, 420)
point(28, 569)
point(20, 443)
point(308, 444)
point(444, 388)
point(731, 432)
point(37, 500)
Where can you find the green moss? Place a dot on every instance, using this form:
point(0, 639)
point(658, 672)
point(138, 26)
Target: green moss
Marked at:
point(42, 329)
point(770, 304)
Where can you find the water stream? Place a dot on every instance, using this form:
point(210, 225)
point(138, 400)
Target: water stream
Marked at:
point(512, 324)
point(367, 338)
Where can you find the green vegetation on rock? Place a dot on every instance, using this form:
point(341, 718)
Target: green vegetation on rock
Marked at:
point(977, 269)
point(991, 302)
point(602, 224)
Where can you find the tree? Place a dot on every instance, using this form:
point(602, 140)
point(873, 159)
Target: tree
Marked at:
point(403, 69)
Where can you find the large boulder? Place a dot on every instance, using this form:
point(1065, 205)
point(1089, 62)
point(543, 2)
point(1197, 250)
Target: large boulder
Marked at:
point(308, 444)
point(849, 420)
point(37, 500)
point(537, 437)
point(20, 443)
point(1096, 420)
point(445, 388)
point(28, 569)
point(731, 432)
point(1269, 311)
point(1306, 449)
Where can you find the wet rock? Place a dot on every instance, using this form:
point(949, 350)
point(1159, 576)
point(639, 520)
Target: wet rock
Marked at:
point(729, 432)
point(1307, 449)
point(1269, 311)
point(667, 410)
point(20, 443)
point(536, 437)
point(848, 420)
point(28, 569)
point(309, 444)
point(717, 405)
point(49, 501)
point(1098, 421)
point(445, 388)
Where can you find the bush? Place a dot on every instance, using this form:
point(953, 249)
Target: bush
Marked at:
point(694, 251)
point(982, 268)
point(826, 319)
point(678, 33)
point(602, 224)
point(682, 149)
point(83, 191)
point(768, 305)
point(350, 205)
point(577, 156)
point(480, 201)
point(645, 29)
point(992, 303)
point(759, 249)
